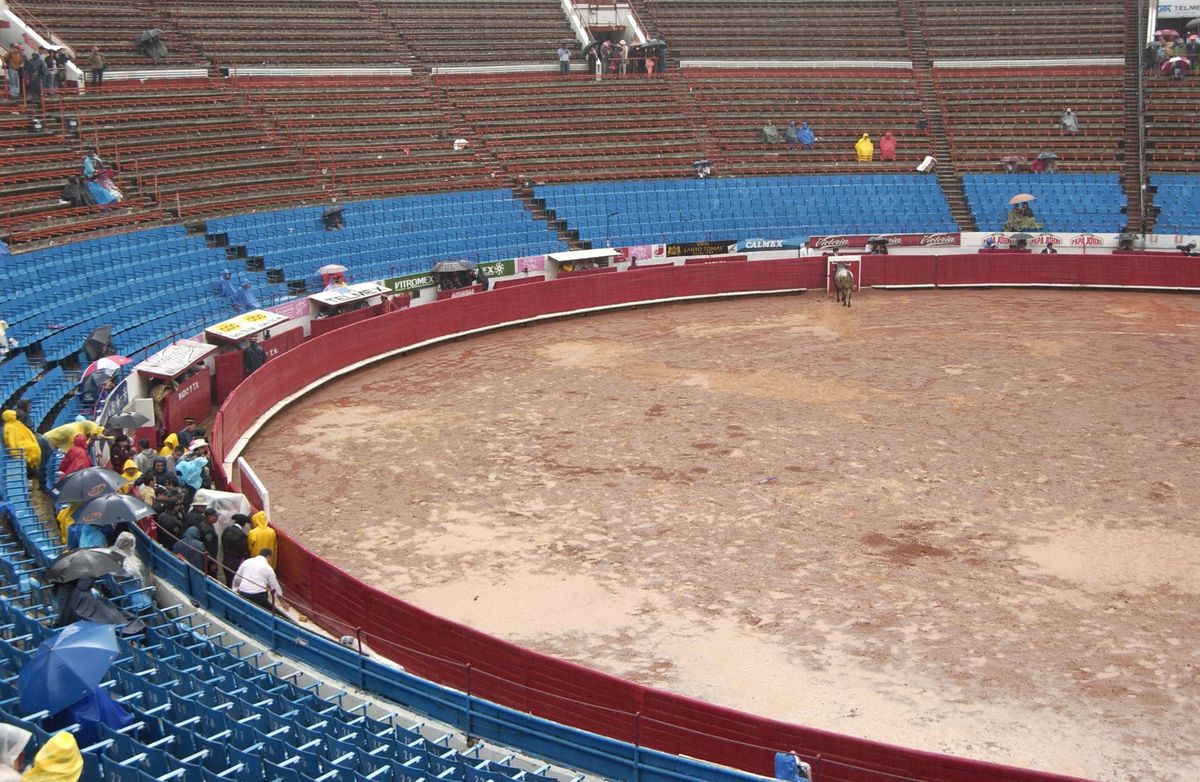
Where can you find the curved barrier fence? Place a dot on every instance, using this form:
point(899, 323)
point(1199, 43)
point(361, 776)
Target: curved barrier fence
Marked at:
point(485, 667)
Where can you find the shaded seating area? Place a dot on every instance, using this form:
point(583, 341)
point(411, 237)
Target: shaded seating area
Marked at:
point(736, 104)
point(1065, 202)
point(113, 26)
point(459, 32)
point(1177, 197)
point(260, 32)
point(993, 112)
point(547, 129)
point(390, 237)
point(778, 29)
point(732, 209)
point(369, 136)
point(1023, 29)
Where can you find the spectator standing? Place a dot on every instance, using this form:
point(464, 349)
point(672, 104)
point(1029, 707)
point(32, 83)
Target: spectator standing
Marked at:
point(188, 433)
point(51, 61)
point(235, 546)
point(650, 60)
point(887, 147)
point(255, 580)
point(1069, 121)
point(145, 456)
point(97, 64)
point(564, 60)
point(190, 548)
point(63, 58)
point(261, 537)
point(15, 69)
point(622, 57)
point(35, 76)
point(606, 53)
point(254, 357)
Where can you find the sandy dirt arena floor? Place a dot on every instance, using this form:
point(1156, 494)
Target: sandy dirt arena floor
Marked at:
point(964, 521)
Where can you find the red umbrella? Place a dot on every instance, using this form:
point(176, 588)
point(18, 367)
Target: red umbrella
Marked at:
point(1169, 64)
point(109, 364)
point(1166, 33)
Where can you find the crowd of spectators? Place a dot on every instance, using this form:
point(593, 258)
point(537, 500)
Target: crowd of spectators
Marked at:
point(29, 74)
point(804, 136)
point(1173, 55)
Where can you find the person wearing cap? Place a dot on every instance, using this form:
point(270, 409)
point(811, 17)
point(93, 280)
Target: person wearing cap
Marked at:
point(622, 56)
point(59, 760)
point(209, 536)
point(235, 546)
point(255, 579)
point(187, 433)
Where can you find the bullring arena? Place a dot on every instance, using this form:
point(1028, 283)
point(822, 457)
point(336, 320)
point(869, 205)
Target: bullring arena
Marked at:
point(960, 521)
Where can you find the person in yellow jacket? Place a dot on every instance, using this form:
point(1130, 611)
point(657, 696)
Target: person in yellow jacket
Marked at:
point(66, 517)
point(864, 150)
point(59, 760)
point(130, 473)
point(62, 437)
point(170, 443)
point(261, 536)
point(18, 437)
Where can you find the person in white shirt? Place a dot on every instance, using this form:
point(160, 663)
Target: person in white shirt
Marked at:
point(255, 580)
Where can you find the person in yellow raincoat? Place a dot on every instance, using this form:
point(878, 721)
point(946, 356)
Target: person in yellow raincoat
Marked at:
point(18, 437)
point(62, 437)
point(66, 517)
point(170, 443)
point(130, 473)
point(261, 536)
point(864, 150)
point(59, 760)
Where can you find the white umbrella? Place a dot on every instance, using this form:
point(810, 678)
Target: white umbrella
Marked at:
point(331, 268)
point(1021, 198)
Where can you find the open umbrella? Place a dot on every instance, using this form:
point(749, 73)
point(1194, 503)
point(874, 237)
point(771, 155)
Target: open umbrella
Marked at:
point(453, 266)
point(130, 420)
point(1047, 156)
point(112, 509)
point(67, 666)
point(83, 563)
point(1193, 25)
point(99, 343)
point(331, 268)
point(1021, 198)
point(149, 35)
point(1013, 159)
point(87, 484)
point(1020, 237)
point(1169, 64)
point(881, 239)
point(1166, 32)
point(110, 364)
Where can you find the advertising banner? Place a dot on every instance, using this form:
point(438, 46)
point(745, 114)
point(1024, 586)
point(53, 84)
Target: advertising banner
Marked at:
point(505, 268)
point(531, 263)
point(410, 282)
point(174, 359)
point(715, 247)
point(859, 241)
point(245, 325)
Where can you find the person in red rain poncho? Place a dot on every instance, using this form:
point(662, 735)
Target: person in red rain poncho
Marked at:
point(887, 147)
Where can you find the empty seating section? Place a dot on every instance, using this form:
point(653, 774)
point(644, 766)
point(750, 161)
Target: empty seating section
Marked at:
point(113, 26)
point(545, 129)
point(779, 29)
point(331, 33)
point(767, 207)
point(394, 236)
point(994, 112)
point(1065, 202)
point(458, 32)
point(1172, 138)
point(372, 136)
point(163, 279)
point(1178, 198)
point(208, 708)
point(1023, 29)
point(192, 145)
point(736, 104)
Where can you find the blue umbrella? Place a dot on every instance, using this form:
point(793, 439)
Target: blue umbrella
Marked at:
point(67, 666)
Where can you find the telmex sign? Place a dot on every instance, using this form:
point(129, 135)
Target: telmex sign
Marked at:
point(1178, 9)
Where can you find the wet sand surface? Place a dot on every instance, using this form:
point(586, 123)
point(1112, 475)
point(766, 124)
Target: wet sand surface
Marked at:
point(960, 521)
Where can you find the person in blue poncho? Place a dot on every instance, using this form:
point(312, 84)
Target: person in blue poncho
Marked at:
point(99, 180)
point(805, 136)
point(226, 286)
point(244, 298)
point(94, 709)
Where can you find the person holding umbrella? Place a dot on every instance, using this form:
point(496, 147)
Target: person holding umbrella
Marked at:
point(564, 60)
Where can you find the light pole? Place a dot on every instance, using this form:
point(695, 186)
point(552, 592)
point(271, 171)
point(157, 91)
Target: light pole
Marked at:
point(608, 228)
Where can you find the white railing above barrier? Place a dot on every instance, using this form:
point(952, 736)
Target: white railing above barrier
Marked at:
point(847, 64)
point(1047, 62)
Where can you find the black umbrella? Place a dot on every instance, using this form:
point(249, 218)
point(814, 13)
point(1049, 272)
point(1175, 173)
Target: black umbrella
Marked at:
point(99, 343)
point(1193, 25)
point(130, 420)
point(1021, 237)
point(149, 35)
point(879, 240)
point(330, 211)
point(83, 563)
point(591, 46)
point(453, 266)
point(113, 509)
point(1047, 156)
point(87, 484)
